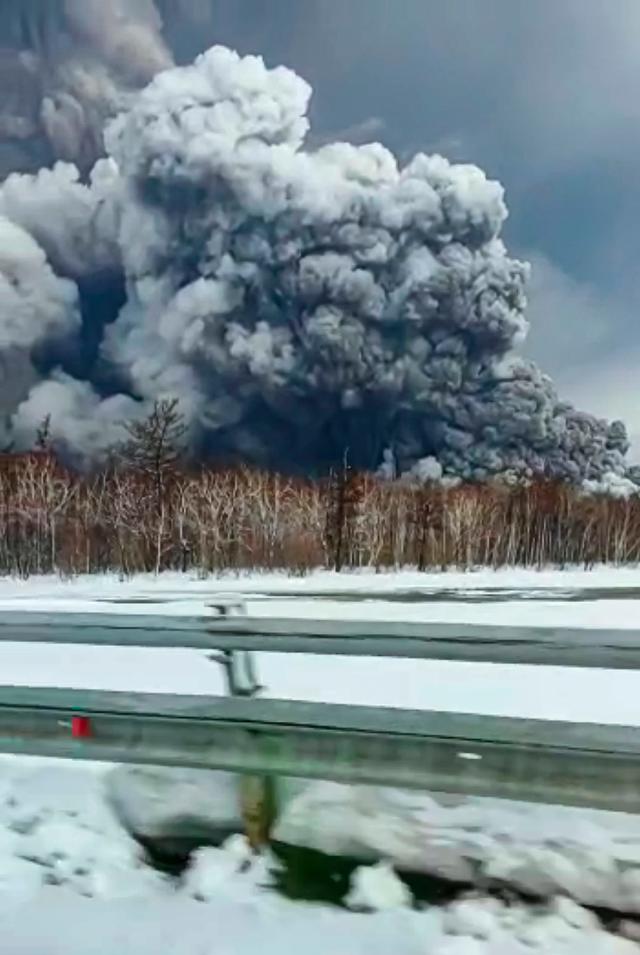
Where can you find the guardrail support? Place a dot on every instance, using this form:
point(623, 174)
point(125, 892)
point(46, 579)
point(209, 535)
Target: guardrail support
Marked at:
point(257, 793)
point(240, 672)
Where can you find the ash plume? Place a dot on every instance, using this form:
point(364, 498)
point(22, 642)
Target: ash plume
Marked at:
point(300, 303)
point(66, 66)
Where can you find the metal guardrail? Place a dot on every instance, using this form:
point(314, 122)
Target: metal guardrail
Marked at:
point(530, 760)
point(478, 643)
point(462, 642)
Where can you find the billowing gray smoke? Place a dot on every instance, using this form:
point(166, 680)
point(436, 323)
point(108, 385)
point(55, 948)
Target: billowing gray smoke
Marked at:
point(300, 304)
point(65, 67)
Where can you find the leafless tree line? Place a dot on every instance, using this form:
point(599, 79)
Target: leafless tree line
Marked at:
point(126, 520)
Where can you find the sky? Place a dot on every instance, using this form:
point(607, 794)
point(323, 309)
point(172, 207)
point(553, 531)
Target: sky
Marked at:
point(544, 96)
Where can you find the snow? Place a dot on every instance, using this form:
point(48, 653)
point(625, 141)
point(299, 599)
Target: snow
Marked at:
point(473, 917)
point(377, 888)
point(171, 805)
point(182, 926)
point(182, 593)
point(214, 871)
point(56, 830)
point(500, 690)
point(594, 857)
point(73, 882)
point(234, 923)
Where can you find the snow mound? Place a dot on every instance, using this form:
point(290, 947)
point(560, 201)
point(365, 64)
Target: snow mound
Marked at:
point(59, 820)
point(55, 830)
point(593, 857)
point(175, 810)
point(377, 888)
point(231, 870)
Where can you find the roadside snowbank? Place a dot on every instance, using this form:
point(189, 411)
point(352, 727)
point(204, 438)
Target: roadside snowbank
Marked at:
point(175, 810)
point(73, 883)
point(241, 918)
point(593, 857)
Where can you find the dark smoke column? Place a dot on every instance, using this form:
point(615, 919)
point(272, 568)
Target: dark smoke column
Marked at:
point(311, 302)
point(66, 67)
point(302, 304)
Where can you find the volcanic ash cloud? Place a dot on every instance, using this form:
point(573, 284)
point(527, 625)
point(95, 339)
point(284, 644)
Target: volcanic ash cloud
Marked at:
point(301, 304)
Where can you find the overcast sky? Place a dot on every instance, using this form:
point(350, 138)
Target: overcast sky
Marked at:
point(544, 95)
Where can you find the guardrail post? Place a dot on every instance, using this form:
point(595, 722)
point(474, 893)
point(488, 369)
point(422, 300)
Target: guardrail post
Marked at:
point(257, 793)
point(240, 672)
point(258, 808)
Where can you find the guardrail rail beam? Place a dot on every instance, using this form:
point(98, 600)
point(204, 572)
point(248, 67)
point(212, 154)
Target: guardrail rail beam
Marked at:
point(530, 760)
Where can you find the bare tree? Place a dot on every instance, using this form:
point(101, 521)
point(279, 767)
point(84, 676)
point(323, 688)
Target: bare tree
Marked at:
point(150, 515)
point(43, 434)
point(156, 446)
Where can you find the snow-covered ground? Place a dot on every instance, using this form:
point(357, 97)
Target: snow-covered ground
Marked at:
point(501, 690)
point(72, 882)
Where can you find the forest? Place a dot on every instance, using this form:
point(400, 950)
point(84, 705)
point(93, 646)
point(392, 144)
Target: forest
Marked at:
point(147, 509)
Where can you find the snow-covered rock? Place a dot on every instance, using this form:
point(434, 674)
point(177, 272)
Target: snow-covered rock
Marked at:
point(175, 810)
point(425, 470)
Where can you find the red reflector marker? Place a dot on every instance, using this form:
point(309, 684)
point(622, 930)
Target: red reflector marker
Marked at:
point(80, 727)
